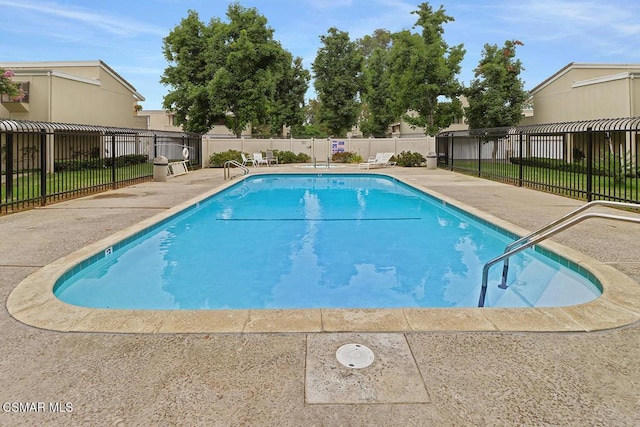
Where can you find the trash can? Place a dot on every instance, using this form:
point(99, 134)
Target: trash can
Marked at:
point(160, 169)
point(432, 160)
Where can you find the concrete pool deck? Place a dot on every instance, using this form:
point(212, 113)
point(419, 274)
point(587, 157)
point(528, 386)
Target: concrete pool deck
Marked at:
point(426, 371)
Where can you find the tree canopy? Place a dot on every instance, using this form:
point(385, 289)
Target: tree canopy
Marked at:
point(377, 109)
point(232, 72)
point(235, 72)
point(338, 81)
point(423, 72)
point(496, 96)
point(291, 87)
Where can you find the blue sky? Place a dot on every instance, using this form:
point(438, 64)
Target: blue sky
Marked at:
point(127, 35)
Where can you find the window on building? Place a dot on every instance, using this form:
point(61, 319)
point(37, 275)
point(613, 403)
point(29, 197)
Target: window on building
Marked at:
point(23, 87)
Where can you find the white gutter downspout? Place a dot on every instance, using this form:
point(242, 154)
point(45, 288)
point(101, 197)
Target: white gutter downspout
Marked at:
point(631, 104)
point(50, 101)
point(631, 139)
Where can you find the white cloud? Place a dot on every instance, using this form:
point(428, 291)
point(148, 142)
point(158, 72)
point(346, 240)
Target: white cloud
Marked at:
point(49, 13)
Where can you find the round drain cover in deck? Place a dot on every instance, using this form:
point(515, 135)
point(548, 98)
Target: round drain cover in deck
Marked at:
point(355, 356)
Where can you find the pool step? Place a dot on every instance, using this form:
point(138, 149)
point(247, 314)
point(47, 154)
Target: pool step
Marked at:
point(522, 289)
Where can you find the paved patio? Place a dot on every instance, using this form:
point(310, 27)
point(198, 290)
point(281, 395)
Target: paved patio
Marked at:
point(418, 378)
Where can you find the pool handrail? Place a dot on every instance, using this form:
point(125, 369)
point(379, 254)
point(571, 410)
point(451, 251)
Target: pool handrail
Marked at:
point(552, 224)
point(227, 168)
point(544, 233)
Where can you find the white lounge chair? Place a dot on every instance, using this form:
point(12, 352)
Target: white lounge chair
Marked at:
point(380, 160)
point(388, 157)
point(259, 160)
point(246, 160)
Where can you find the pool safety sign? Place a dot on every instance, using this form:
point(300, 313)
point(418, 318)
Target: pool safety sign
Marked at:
point(337, 146)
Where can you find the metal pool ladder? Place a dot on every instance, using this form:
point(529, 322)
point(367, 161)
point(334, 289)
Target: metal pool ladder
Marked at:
point(227, 168)
point(547, 231)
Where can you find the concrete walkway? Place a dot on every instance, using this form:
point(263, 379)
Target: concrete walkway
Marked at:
point(418, 378)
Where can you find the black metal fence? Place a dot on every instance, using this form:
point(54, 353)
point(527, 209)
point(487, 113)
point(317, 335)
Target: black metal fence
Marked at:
point(589, 160)
point(45, 162)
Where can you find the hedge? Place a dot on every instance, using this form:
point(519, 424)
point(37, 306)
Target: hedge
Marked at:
point(97, 163)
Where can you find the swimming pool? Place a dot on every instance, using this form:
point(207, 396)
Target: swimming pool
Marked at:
point(318, 241)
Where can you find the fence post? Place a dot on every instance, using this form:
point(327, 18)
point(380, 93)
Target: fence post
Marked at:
point(479, 156)
point(451, 153)
point(155, 146)
point(520, 168)
point(113, 161)
point(10, 171)
point(43, 167)
point(589, 164)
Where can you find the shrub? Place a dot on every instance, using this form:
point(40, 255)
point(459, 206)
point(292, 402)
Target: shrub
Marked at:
point(126, 160)
point(285, 156)
point(77, 164)
point(303, 158)
point(97, 163)
point(544, 162)
point(409, 159)
point(346, 157)
point(290, 157)
point(217, 160)
point(606, 165)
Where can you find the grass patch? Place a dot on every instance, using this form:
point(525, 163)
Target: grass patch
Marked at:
point(568, 182)
point(27, 184)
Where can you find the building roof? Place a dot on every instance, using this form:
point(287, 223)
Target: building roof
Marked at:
point(576, 65)
point(52, 65)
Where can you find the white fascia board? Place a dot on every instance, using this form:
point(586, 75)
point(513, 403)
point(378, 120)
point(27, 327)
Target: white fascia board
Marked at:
point(604, 79)
point(579, 65)
point(49, 66)
point(40, 72)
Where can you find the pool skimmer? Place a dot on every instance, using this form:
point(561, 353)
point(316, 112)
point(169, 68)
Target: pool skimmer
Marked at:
point(355, 356)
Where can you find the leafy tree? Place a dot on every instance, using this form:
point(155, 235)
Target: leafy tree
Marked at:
point(423, 72)
point(496, 96)
point(377, 112)
point(338, 81)
point(311, 127)
point(312, 112)
point(381, 38)
point(291, 87)
point(185, 48)
point(228, 71)
point(308, 131)
point(8, 87)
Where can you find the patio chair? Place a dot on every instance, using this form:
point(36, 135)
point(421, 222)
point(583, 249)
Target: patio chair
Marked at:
point(259, 160)
point(388, 157)
point(271, 158)
point(246, 160)
point(380, 160)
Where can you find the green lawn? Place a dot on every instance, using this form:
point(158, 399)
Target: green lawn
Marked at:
point(562, 182)
point(26, 185)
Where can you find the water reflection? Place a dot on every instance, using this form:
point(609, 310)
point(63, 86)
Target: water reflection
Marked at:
point(457, 291)
point(310, 242)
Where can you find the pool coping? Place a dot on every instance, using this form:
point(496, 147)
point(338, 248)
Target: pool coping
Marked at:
point(32, 301)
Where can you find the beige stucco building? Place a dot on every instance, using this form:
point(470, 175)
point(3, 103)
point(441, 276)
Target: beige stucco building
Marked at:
point(79, 92)
point(166, 121)
point(587, 91)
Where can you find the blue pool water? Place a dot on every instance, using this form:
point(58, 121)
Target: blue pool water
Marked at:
point(318, 241)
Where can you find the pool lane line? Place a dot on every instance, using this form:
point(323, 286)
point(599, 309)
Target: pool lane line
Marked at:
point(319, 219)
